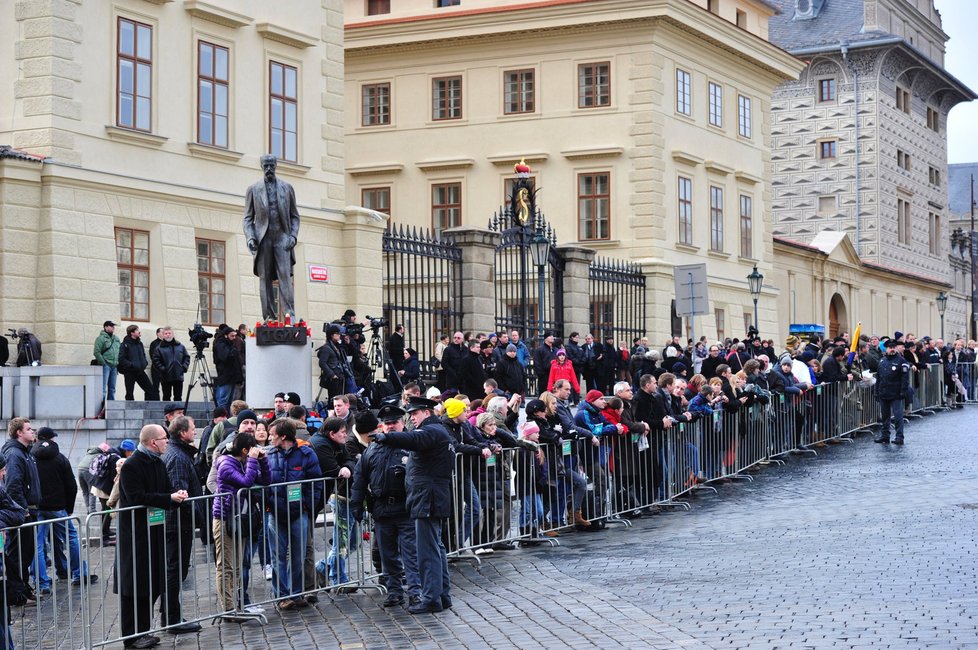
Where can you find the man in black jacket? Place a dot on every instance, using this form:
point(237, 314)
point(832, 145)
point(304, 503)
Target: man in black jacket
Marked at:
point(140, 569)
point(170, 362)
point(335, 463)
point(510, 374)
point(132, 365)
point(58, 492)
point(23, 486)
point(228, 364)
point(892, 388)
point(395, 347)
point(472, 376)
point(429, 487)
point(451, 360)
point(333, 367)
point(379, 485)
point(543, 354)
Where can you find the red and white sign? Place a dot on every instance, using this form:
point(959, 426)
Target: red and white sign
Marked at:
point(318, 273)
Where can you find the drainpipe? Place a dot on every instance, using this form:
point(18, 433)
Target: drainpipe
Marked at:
point(844, 48)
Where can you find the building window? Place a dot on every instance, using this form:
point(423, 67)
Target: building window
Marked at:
point(446, 206)
point(446, 99)
point(378, 7)
point(713, 6)
point(376, 104)
point(934, 176)
point(716, 218)
point(903, 221)
point(721, 325)
point(826, 90)
point(903, 160)
point(602, 317)
point(741, 19)
point(135, 70)
point(933, 120)
point(448, 3)
point(744, 114)
point(212, 95)
point(685, 211)
point(716, 104)
point(828, 205)
point(827, 149)
point(903, 100)
point(210, 280)
point(376, 198)
point(746, 226)
point(284, 104)
point(132, 259)
point(683, 97)
point(594, 206)
point(593, 85)
point(934, 233)
point(518, 92)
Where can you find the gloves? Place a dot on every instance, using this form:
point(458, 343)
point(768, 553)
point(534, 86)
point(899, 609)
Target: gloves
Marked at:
point(380, 437)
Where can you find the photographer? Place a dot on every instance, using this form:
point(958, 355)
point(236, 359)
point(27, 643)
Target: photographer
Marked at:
point(4, 350)
point(132, 365)
point(353, 336)
point(228, 364)
point(28, 349)
point(332, 362)
point(170, 361)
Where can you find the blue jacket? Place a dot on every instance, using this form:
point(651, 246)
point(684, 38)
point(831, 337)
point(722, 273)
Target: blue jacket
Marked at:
point(429, 471)
point(295, 464)
point(700, 405)
point(590, 418)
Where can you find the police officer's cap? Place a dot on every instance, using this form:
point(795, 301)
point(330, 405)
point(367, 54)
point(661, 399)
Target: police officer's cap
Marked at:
point(889, 344)
point(390, 413)
point(419, 404)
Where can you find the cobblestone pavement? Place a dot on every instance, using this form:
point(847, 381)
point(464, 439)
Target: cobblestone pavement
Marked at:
point(863, 546)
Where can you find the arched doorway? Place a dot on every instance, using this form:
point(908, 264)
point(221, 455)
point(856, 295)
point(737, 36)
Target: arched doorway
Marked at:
point(838, 317)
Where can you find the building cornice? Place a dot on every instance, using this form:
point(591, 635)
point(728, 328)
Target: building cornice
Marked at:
point(286, 36)
point(215, 14)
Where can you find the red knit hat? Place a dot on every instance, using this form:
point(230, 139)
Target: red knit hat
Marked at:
point(593, 396)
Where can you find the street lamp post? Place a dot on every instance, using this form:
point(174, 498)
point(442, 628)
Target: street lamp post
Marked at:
point(941, 308)
point(754, 282)
point(540, 252)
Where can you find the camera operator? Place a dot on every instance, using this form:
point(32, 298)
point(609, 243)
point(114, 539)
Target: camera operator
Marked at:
point(228, 363)
point(352, 332)
point(28, 349)
point(4, 350)
point(332, 362)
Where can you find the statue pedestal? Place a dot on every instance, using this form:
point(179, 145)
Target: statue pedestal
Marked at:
point(274, 369)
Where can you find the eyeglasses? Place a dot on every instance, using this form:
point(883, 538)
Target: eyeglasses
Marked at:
point(160, 438)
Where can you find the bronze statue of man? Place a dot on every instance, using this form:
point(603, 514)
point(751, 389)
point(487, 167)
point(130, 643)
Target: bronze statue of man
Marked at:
point(271, 227)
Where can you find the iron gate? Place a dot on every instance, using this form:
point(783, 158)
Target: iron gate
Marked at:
point(422, 288)
point(617, 292)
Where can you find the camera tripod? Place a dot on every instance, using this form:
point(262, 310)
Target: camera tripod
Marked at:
point(202, 372)
point(377, 357)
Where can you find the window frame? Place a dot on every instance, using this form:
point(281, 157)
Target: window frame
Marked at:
point(934, 233)
point(716, 218)
point(132, 267)
point(594, 199)
point(286, 100)
point(522, 75)
point(720, 318)
point(379, 101)
point(715, 113)
point(684, 209)
point(833, 90)
point(378, 6)
point(904, 102)
point(376, 189)
point(747, 226)
point(210, 276)
point(684, 92)
point(904, 223)
point(443, 103)
point(214, 81)
point(584, 92)
point(136, 61)
point(933, 119)
point(448, 206)
point(833, 144)
point(745, 116)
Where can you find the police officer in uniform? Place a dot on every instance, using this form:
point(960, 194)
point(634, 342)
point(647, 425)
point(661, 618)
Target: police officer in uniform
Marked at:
point(892, 388)
point(379, 482)
point(429, 487)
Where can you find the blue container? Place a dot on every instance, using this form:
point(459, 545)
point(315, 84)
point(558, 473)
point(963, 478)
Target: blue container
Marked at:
point(806, 329)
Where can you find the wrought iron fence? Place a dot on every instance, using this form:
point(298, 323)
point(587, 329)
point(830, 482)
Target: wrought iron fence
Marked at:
point(422, 288)
point(617, 291)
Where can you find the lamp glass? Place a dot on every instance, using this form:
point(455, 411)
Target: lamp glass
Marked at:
point(754, 282)
point(539, 249)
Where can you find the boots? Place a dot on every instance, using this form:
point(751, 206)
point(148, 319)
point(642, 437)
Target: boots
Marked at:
point(580, 520)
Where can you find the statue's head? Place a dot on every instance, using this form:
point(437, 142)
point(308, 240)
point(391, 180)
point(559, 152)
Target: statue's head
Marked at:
point(268, 163)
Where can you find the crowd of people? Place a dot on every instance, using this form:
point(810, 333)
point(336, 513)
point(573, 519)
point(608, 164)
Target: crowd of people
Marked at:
point(441, 469)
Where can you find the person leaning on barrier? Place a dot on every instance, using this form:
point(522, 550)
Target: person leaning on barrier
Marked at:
point(379, 487)
point(11, 516)
point(289, 510)
point(242, 466)
point(336, 464)
point(23, 486)
point(429, 486)
point(469, 442)
point(570, 431)
point(140, 568)
point(892, 388)
point(180, 522)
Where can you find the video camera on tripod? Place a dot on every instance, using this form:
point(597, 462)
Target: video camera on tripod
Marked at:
point(199, 337)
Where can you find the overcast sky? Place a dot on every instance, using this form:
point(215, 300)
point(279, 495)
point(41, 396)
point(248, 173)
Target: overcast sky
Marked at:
point(960, 20)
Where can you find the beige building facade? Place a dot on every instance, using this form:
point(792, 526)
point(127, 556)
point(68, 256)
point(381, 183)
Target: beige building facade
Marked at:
point(145, 121)
point(645, 123)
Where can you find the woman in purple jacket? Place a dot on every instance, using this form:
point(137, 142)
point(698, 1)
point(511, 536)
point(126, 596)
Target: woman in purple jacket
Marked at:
point(243, 466)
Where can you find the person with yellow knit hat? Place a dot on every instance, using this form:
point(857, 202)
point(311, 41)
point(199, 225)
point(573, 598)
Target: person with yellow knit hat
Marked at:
point(469, 442)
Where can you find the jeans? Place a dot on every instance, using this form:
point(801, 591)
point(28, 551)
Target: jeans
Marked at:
point(470, 519)
point(61, 528)
point(109, 375)
point(287, 540)
point(223, 394)
point(531, 511)
point(259, 543)
point(343, 540)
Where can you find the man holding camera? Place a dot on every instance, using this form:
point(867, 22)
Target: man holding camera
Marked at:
point(228, 364)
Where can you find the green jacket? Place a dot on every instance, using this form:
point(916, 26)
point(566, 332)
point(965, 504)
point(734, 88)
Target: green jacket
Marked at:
point(107, 350)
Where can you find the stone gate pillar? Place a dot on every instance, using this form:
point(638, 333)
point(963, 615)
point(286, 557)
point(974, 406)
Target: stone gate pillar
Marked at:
point(478, 260)
point(577, 291)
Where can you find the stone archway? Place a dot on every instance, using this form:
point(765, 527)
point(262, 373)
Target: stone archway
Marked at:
point(838, 317)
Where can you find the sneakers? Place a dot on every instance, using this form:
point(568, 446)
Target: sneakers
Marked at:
point(90, 579)
point(46, 591)
point(268, 572)
point(254, 609)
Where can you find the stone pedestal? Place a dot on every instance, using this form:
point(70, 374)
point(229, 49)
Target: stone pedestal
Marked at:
point(274, 369)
